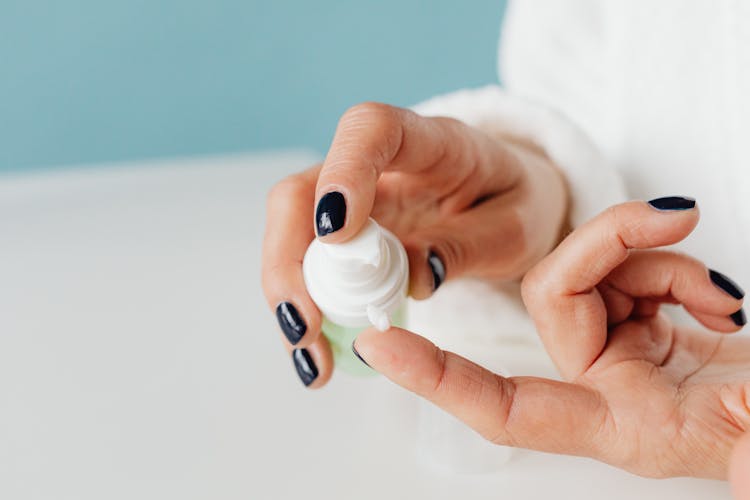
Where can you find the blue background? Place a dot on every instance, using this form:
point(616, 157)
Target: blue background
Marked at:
point(85, 81)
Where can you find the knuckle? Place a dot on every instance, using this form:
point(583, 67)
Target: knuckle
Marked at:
point(621, 231)
point(367, 116)
point(684, 268)
point(621, 221)
point(454, 254)
point(532, 286)
point(614, 218)
point(503, 433)
point(371, 112)
point(371, 132)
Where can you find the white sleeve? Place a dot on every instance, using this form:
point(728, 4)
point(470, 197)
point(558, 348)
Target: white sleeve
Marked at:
point(556, 91)
point(593, 183)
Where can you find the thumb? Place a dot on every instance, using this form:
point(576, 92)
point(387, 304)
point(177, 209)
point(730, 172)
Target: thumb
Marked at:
point(526, 412)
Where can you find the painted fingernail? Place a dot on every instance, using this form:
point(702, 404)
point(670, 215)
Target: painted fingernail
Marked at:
point(438, 269)
point(673, 203)
point(331, 213)
point(305, 366)
point(726, 284)
point(359, 356)
point(739, 317)
point(291, 322)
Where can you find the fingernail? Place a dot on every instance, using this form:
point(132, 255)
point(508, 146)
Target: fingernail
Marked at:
point(739, 317)
point(673, 203)
point(291, 323)
point(331, 213)
point(305, 366)
point(356, 353)
point(726, 284)
point(437, 268)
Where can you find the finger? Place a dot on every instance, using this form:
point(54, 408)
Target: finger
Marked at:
point(647, 339)
point(287, 236)
point(593, 250)
point(284, 246)
point(313, 364)
point(723, 324)
point(524, 412)
point(560, 292)
point(620, 306)
point(372, 138)
point(487, 241)
point(711, 297)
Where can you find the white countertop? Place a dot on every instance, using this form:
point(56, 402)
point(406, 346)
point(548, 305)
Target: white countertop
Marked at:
point(138, 358)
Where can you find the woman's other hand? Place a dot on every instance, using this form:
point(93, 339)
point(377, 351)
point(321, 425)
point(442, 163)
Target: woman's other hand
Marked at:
point(640, 392)
point(462, 202)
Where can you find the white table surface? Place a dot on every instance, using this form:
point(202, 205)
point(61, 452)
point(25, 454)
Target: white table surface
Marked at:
point(138, 358)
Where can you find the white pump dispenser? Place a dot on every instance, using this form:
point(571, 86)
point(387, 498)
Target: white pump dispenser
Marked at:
point(358, 283)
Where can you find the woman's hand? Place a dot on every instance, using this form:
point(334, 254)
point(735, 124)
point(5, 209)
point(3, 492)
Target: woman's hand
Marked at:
point(462, 202)
point(641, 393)
point(739, 469)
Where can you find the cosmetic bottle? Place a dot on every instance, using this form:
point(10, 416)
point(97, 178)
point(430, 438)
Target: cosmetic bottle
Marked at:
point(357, 284)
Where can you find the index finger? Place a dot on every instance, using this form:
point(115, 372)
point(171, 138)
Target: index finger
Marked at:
point(525, 412)
point(372, 138)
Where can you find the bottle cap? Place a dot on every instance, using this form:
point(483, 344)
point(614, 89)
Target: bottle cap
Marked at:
point(359, 282)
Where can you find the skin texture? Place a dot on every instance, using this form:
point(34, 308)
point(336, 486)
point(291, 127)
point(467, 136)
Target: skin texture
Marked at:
point(639, 392)
point(739, 470)
point(490, 206)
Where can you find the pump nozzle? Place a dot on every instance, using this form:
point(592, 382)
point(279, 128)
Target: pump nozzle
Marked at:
point(365, 249)
point(358, 282)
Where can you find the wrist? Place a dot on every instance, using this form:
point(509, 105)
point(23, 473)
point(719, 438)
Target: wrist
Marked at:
point(548, 195)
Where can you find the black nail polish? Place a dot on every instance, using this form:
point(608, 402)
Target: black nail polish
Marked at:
point(291, 323)
point(673, 203)
point(726, 284)
point(739, 317)
point(356, 353)
point(331, 213)
point(305, 366)
point(438, 269)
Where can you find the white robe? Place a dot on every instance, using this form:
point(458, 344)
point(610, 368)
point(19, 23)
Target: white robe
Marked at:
point(632, 99)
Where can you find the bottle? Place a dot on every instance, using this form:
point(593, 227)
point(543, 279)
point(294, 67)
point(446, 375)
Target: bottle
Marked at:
point(355, 284)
